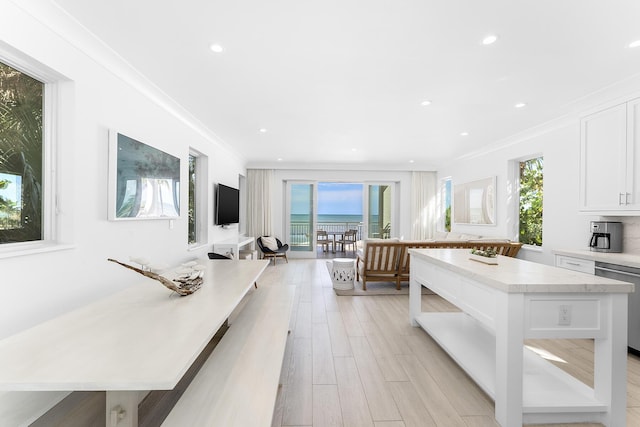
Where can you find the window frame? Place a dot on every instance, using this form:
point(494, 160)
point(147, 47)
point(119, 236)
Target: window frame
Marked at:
point(51, 105)
point(201, 199)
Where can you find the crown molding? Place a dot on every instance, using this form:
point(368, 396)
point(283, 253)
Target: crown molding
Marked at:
point(608, 96)
point(59, 21)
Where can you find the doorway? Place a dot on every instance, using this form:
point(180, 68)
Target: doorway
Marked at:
point(335, 208)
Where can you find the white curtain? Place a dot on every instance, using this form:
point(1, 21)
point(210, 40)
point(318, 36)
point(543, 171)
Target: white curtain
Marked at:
point(423, 205)
point(259, 196)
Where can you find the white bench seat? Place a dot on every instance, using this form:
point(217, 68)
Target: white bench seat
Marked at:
point(238, 384)
point(21, 408)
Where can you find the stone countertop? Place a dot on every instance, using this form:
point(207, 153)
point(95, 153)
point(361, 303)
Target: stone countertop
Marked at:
point(519, 276)
point(629, 260)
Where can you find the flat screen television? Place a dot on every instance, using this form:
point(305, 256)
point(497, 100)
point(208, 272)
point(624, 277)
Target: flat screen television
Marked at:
point(227, 205)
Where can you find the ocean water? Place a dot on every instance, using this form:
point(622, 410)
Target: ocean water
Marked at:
point(323, 219)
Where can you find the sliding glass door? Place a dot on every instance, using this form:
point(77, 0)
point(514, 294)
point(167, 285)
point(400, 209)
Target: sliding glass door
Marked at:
point(336, 207)
point(379, 211)
point(301, 217)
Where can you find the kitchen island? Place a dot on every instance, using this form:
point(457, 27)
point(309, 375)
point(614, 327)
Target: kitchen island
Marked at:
point(501, 306)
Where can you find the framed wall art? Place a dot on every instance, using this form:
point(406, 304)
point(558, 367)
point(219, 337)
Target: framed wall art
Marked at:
point(144, 182)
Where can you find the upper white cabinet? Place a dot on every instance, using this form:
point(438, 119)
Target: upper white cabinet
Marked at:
point(609, 157)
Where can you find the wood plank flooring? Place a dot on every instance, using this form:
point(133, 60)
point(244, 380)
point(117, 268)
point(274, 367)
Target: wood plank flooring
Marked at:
point(356, 361)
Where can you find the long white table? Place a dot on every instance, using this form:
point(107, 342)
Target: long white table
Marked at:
point(140, 339)
point(501, 306)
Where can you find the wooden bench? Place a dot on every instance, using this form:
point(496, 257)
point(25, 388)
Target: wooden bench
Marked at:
point(238, 384)
point(388, 261)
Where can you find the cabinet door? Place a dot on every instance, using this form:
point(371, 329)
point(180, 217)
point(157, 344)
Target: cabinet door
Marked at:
point(603, 142)
point(633, 155)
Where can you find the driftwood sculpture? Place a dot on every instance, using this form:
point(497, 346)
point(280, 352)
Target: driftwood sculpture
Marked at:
point(182, 285)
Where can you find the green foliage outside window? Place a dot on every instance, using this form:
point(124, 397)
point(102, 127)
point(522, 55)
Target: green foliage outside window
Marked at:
point(447, 219)
point(446, 200)
point(531, 191)
point(192, 200)
point(21, 111)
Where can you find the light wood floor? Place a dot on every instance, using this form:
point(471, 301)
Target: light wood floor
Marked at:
point(356, 361)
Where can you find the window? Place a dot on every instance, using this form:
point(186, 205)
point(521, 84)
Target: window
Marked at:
point(445, 203)
point(530, 201)
point(192, 200)
point(21, 156)
point(197, 206)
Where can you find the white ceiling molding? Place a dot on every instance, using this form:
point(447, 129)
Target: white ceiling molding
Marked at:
point(71, 30)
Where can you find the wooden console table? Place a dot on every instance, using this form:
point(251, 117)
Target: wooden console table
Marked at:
point(140, 339)
point(501, 306)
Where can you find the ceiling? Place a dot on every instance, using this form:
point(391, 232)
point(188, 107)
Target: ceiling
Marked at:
point(341, 82)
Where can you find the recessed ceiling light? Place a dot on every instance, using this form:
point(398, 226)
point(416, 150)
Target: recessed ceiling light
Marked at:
point(215, 47)
point(425, 102)
point(464, 133)
point(490, 39)
point(262, 130)
point(634, 44)
point(520, 105)
point(411, 161)
point(279, 159)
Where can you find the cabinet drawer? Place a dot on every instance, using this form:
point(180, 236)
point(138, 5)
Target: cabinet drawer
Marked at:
point(575, 264)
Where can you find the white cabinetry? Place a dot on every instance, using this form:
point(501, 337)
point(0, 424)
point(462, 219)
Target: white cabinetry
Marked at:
point(503, 305)
point(576, 264)
point(609, 155)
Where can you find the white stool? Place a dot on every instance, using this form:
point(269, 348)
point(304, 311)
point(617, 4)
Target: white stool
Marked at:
point(343, 273)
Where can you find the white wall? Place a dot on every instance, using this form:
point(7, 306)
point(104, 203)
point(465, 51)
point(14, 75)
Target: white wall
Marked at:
point(563, 227)
point(559, 142)
point(98, 97)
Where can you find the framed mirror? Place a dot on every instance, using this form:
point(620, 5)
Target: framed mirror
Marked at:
point(475, 202)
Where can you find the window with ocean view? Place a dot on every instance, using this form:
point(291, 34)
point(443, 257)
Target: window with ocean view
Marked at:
point(301, 217)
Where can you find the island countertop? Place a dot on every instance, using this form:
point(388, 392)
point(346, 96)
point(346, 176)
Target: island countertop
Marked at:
point(514, 275)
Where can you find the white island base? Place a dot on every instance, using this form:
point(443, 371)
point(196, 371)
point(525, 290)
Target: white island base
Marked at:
point(506, 304)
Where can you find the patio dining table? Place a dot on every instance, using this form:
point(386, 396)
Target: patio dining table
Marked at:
point(335, 233)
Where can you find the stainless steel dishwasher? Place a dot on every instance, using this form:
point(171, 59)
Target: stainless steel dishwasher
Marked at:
point(626, 274)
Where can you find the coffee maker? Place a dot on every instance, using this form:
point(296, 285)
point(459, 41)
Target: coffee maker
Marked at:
point(606, 236)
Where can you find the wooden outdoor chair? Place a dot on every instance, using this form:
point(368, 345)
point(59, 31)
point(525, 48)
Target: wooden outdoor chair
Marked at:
point(349, 238)
point(323, 240)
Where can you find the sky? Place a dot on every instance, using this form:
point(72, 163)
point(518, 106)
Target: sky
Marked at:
point(12, 192)
point(334, 198)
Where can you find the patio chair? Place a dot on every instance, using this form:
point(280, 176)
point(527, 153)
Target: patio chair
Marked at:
point(349, 238)
point(323, 240)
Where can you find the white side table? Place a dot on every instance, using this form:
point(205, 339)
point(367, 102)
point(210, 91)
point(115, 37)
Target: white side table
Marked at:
point(232, 246)
point(343, 273)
